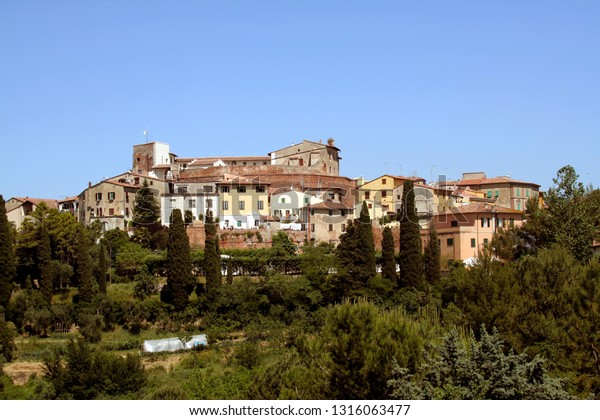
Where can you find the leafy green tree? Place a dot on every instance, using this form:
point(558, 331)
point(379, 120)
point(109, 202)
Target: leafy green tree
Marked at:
point(282, 245)
point(431, 258)
point(86, 283)
point(410, 258)
point(212, 257)
point(180, 281)
point(388, 254)
point(8, 269)
point(146, 211)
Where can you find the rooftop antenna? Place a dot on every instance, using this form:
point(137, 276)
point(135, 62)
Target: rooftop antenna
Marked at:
point(146, 134)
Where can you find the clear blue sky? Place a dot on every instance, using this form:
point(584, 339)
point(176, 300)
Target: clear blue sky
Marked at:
point(404, 87)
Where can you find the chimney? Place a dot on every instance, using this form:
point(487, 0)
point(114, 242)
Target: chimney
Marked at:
point(89, 184)
point(330, 141)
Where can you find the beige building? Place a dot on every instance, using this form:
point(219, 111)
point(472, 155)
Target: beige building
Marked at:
point(505, 191)
point(111, 201)
point(463, 231)
point(19, 208)
point(327, 221)
point(192, 197)
point(315, 157)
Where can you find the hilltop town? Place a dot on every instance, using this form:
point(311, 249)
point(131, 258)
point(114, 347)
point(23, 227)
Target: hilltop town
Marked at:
point(297, 189)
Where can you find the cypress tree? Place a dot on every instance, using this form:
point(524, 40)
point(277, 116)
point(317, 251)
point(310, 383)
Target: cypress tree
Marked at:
point(44, 262)
point(212, 258)
point(146, 211)
point(102, 269)
point(410, 259)
point(388, 268)
point(84, 274)
point(8, 268)
point(367, 243)
point(180, 281)
point(431, 258)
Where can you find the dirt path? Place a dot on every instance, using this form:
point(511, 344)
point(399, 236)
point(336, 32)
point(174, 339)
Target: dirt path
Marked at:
point(20, 372)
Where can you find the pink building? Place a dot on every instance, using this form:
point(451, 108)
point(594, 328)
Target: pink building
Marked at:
point(463, 231)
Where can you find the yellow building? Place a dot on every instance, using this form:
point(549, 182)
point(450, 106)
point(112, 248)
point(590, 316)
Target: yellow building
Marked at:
point(379, 194)
point(243, 202)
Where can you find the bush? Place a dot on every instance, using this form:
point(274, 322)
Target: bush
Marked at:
point(78, 372)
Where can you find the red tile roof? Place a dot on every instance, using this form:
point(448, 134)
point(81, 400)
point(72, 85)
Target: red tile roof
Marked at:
point(489, 181)
point(480, 208)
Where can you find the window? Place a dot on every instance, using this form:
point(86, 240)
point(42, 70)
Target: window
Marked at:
point(343, 227)
point(241, 189)
point(209, 203)
point(207, 188)
point(242, 205)
point(512, 222)
point(182, 190)
point(370, 205)
point(384, 181)
point(331, 212)
point(489, 194)
point(527, 193)
point(172, 201)
point(312, 227)
point(239, 223)
point(312, 212)
point(224, 189)
point(111, 212)
point(225, 205)
point(126, 211)
point(454, 223)
point(450, 242)
point(485, 222)
point(343, 213)
point(305, 200)
point(260, 189)
point(518, 192)
point(330, 227)
point(282, 200)
point(473, 244)
point(127, 197)
point(367, 195)
point(261, 204)
point(485, 241)
point(192, 204)
point(496, 193)
point(383, 194)
point(98, 196)
point(518, 205)
point(111, 196)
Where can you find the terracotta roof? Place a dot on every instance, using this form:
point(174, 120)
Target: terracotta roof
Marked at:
point(488, 181)
point(50, 202)
point(480, 208)
point(329, 205)
point(211, 160)
point(74, 198)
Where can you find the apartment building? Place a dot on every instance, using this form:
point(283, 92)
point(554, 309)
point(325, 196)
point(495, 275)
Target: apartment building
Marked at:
point(19, 208)
point(463, 231)
point(381, 194)
point(244, 202)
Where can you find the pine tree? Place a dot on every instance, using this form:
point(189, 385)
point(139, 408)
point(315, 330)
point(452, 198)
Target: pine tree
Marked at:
point(103, 265)
point(411, 268)
point(84, 275)
point(431, 258)
point(212, 258)
point(388, 268)
point(146, 211)
point(180, 281)
point(45, 264)
point(8, 268)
